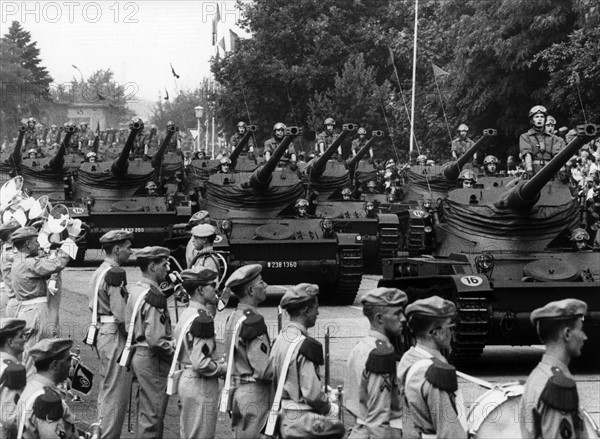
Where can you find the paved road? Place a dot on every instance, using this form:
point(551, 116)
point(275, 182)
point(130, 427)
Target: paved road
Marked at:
point(346, 325)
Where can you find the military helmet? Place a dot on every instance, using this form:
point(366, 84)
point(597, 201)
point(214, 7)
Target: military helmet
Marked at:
point(83, 124)
point(301, 202)
point(346, 191)
point(430, 162)
point(31, 119)
point(53, 126)
point(361, 130)
point(371, 183)
point(279, 126)
point(91, 154)
point(463, 127)
point(467, 174)
point(241, 123)
point(550, 120)
point(490, 159)
point(580, 234)
point(422, 158)
point(150, 185)
point(538, 109)
point(225, 161)
point(329, 121)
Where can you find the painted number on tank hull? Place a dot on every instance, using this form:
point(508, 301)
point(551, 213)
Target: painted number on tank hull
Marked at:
point(282, 264)
point(471, 281)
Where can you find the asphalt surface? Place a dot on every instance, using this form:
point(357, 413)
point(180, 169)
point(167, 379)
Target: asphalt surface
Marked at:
point(499, 364)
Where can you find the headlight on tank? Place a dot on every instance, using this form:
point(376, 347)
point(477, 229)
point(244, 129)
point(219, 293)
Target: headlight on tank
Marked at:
point(358, 238)
point(428, 229)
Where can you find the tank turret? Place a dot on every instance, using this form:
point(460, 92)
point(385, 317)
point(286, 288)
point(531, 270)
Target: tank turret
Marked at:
point(261, 178)
point(57, 162)
point(316, 168)
point(120, 165)
point(452, 170)
point(250, 129)
point(171, 130)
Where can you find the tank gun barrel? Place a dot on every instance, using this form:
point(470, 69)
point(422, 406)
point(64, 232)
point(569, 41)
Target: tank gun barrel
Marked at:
point(526, 194)
point(16, 157)
point(261, 178)
point(316, 168)
point(171, 130)
point(351, 164)
point(58, 134)
point(120, 165)
point(96, 144)
point(57, 162)
point(452, 170)
point(242, 143)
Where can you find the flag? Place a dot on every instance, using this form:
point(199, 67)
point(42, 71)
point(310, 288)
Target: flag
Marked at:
point(234, 40)
point(83, 379)
point(222, 44)
point(167, 96)
point(215, 23)
point(173, 71)
point(576, 77)
point(438, 73)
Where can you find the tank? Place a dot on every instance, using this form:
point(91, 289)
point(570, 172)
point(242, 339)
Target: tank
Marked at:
point(504, 251)
point(115, 195)
point(11, 165)
point(362, 171)
point(257, 223)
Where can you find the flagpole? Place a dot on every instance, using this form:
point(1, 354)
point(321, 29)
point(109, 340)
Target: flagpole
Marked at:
point(442, 104)
point(213, 136)
point(414, 79)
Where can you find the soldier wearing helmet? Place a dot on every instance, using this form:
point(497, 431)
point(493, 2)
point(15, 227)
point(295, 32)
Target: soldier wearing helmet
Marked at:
point(31, 137)
point(372, 187)
point(359, 142)
point(326, 138)
point(536, 146)
point(240, 130)
point(490, 166)
point(289, 157)
point(82, 137)
point(224, 165)
point(580, 238)
point(91, 157)
point(151, 188)
point(462, 143)
point(347, 194)
point(301, 208)
point(467, 179)
point(422, 160)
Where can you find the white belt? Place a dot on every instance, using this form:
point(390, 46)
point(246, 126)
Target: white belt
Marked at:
point(108, 319)
point(288, 404)
point(395, 423)
point(34, 301)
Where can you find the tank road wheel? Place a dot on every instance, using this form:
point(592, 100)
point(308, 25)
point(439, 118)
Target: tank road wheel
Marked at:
point(472, 319)
point(351, 270)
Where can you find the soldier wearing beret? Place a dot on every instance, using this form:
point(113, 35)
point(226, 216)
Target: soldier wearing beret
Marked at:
point(549, 407)
point(199, 383)
point(306, 409)
point(200, 217)
point(7, 257)
point(247, 338)
point(28, 276)
point(428, 382)
point(152, 337)
point(43, 412)
point(372, 390)
point(108, 300)
point(13, 375)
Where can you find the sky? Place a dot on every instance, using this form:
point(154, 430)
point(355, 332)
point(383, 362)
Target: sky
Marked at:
point(135, 39)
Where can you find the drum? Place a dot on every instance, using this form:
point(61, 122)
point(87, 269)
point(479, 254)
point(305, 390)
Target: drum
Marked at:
point(591, 428)
point(495, 414)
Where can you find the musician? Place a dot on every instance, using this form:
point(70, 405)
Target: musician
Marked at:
point(108, 294)
point(372, 390)
point(429, 384)
point(199, 383)
point(237, 137)
point(250, 371)
point(200, 217)
point(7, 257)
point(550, 404)
point(13, 375)
point(306, 409)
point(153, 339)
point(462, 143)
point(43, 412)
point(536, 146)
point(29, 275)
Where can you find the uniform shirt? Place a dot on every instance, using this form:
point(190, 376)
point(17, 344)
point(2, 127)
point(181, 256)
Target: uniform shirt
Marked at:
point(461, 146)
point(550, 419)
point(112, 300)
point(30, 273)
point(302, 383)
point(250, 357)
point(190, 252)
point(200, 353)
point(205, 259)
point(431, 410)
point(541, 146)
point(6, 262)
point(152, 323)
point(327, 137)
point(357, 145)
point(272, 144)
point(235, 139)
point(9, 398)
point(372, 397)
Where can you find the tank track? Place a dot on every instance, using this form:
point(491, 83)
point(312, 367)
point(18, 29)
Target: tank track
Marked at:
point(389, 241)
point(472, 320)
point(414, 237)
point(351, 270)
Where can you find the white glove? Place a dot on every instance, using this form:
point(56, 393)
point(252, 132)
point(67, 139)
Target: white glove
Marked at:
point(69, 247)
point(334, 410)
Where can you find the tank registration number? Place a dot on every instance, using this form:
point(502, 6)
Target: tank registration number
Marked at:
point(282, 264)
point(134, 229)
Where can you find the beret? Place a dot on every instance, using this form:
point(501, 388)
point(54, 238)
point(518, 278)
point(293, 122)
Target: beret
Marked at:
point(560, 310)
point(154, 252)
point(433, 306)
point(24, 233)
point(385, 297)
point(198, 217)
point(116, 235)
point(243, 275)
point(50, 347)
point(203, 230)
point(9, 325)
point(202, 274)
point(299, 294)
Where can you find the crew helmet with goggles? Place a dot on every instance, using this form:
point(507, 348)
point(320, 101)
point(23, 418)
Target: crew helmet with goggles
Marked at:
point(463, 127)
point(225, 161)
point(550, 120)
point(329, 121)
point(361, 130)
point(467, 174)
point(371, 184)
point(279, 126)
point(241, 123)
point(490, 159)
point(579, 235)
point(538, 109)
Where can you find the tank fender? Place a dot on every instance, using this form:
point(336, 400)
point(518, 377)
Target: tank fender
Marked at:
point(349, 239)
point(388, 219)
point(470, 283)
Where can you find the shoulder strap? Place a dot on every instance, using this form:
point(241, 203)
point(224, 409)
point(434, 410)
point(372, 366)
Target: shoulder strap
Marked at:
point(227, 386)
point(136, 309)
point(270, 429)
point(96, 291)
point(425, 362)
point(180, 339)
point(27, 409)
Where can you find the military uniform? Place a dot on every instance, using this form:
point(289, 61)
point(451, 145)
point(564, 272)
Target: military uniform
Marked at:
point(272, 144)
point(357, 145)
point(460, 146)
point(153, 350)
point(549, 407)
point(200, 217)
point(6, 262)
point(541, 145)
point(236, 138)
point(113, 394)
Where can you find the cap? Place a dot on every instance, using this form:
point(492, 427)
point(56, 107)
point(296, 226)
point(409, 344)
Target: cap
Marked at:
point(8, 228)
point(116, 235)
point(203, 275)
point(24, 233)
point(385, 297)
point(433, 306)
point(9, 325)
point(154, 252)
point(204, 230)
point(299, 294)
point(244, 275)
point(560, 310)
point(198, 217)
point(50, 347)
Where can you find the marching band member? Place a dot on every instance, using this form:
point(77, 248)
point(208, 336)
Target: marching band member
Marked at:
point(13, 375)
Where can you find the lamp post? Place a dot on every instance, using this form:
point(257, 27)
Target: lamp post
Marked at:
point(199, 113)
